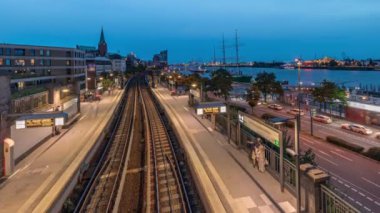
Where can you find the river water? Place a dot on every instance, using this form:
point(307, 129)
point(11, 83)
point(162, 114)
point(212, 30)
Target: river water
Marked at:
point(310, 76)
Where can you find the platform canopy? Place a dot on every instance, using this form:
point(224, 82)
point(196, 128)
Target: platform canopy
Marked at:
point(210, 108)
point(41, 120)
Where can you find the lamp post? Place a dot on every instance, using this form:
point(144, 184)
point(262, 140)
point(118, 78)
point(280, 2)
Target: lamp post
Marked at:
point(297, 140)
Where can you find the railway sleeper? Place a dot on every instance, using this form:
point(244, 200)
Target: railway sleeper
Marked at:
point(169, 180)
point(174, 208)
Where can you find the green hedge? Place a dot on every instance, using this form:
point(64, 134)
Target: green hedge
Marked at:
point(340, 142)
point(373, 153)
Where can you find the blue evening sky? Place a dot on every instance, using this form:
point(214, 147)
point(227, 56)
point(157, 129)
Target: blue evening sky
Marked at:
point(189, 29)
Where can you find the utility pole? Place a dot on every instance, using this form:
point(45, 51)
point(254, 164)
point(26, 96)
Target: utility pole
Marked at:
point(214, 61)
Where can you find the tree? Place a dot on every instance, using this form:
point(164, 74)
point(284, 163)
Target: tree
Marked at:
point(107, 83)
point(221, 83)
point(308, 157)
point(329, 92)
point(253, 96)
point(267, 84)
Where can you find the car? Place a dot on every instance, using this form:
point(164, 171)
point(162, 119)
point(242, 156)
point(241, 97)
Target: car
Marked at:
point(322, 119)
point(357, 128)
point(275, 106)
point(296, 112)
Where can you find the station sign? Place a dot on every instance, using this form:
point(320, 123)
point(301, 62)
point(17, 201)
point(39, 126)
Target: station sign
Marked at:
point(211, 110)
point(41, 120)
point(264, 130)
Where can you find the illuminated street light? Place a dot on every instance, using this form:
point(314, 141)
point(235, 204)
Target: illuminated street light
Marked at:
point(194, 85)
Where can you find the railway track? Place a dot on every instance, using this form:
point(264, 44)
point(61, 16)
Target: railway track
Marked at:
point(166, 191)
point(101, 193)
point(155, 177)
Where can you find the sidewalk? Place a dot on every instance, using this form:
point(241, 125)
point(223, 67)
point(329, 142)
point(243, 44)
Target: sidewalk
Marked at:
point(40, 172)
point(241, 188)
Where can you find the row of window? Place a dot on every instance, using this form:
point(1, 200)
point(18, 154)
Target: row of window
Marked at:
point(33, 62)
point(34, 52)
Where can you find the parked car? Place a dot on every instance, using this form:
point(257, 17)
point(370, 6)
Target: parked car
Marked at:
point(322, 119)
point(296, 111)
point(275, 106)
point(357, 128)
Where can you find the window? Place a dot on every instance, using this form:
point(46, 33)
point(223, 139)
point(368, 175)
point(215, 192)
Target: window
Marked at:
point(7, 62)
point(41, 62)
point(41, 52)
point(48, 62)
point(32, 52)
point(1, 51)
point(47, 52)
point(1, 62)
point(20, 62)
point(19, 52)
point(68, 63)
point(32, 62)
point(8, 51)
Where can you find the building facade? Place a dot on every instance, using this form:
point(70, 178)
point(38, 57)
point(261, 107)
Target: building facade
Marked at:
point(39, 73)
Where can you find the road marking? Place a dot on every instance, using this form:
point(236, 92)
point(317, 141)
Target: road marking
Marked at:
point(324, 153)
point(353, 189)
point(340, 155)
point(377, 203)
point(377, 185)
point(368, 209)
point(333, 177)
point(370, 199)
point(360, 204)
point(347, 186)
point(351, 198)
point(362, 194)
point(333, 163)
point(186, 108)
point(341, 182)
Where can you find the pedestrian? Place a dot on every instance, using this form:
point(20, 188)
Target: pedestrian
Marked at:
point(254, 157)
point(260, 155)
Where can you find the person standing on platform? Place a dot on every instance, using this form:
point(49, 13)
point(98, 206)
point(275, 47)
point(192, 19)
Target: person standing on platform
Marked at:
point(261, 158)
point(254, 157)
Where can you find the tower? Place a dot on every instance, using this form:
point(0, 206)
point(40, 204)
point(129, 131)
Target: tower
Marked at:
point(102, 45)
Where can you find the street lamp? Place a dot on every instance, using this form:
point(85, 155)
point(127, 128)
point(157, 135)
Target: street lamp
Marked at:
point(297, 140)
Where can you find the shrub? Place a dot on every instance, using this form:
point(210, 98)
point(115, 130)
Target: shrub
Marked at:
point(373, 153)
point(340, 142)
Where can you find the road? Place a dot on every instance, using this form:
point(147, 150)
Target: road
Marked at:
point(355, 176)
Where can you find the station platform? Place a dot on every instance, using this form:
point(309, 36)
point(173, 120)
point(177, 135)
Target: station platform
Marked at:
point(237, 185)
point(49, 166)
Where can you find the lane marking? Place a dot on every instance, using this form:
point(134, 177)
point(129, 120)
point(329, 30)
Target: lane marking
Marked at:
point(370, 199)
point(377, 203)
point(324, 153)
point(347, 185)
point(333, 163)
point(351, 198)
point(368, 209)
point(341, 182)
point(377, 185)
point(342, 156)
point(360, 204)
point(355, 190)
point(334, 174)
point(362, 194)
point(186, 108)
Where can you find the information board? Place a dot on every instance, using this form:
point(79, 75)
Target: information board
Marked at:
point(264, 130)
point(47, 122)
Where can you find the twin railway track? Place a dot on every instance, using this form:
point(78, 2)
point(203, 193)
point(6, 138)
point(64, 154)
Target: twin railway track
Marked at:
point(165, 186)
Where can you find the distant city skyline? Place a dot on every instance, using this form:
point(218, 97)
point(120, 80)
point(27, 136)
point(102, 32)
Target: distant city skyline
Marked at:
point(189, 30)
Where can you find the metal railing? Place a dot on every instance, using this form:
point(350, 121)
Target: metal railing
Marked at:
point(332, 203)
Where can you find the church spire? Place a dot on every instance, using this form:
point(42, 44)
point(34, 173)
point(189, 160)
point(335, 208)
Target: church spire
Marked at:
point(102, 39)
point(102, 45)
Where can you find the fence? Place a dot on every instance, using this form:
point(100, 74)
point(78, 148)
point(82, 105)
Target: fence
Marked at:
point(332, 203)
